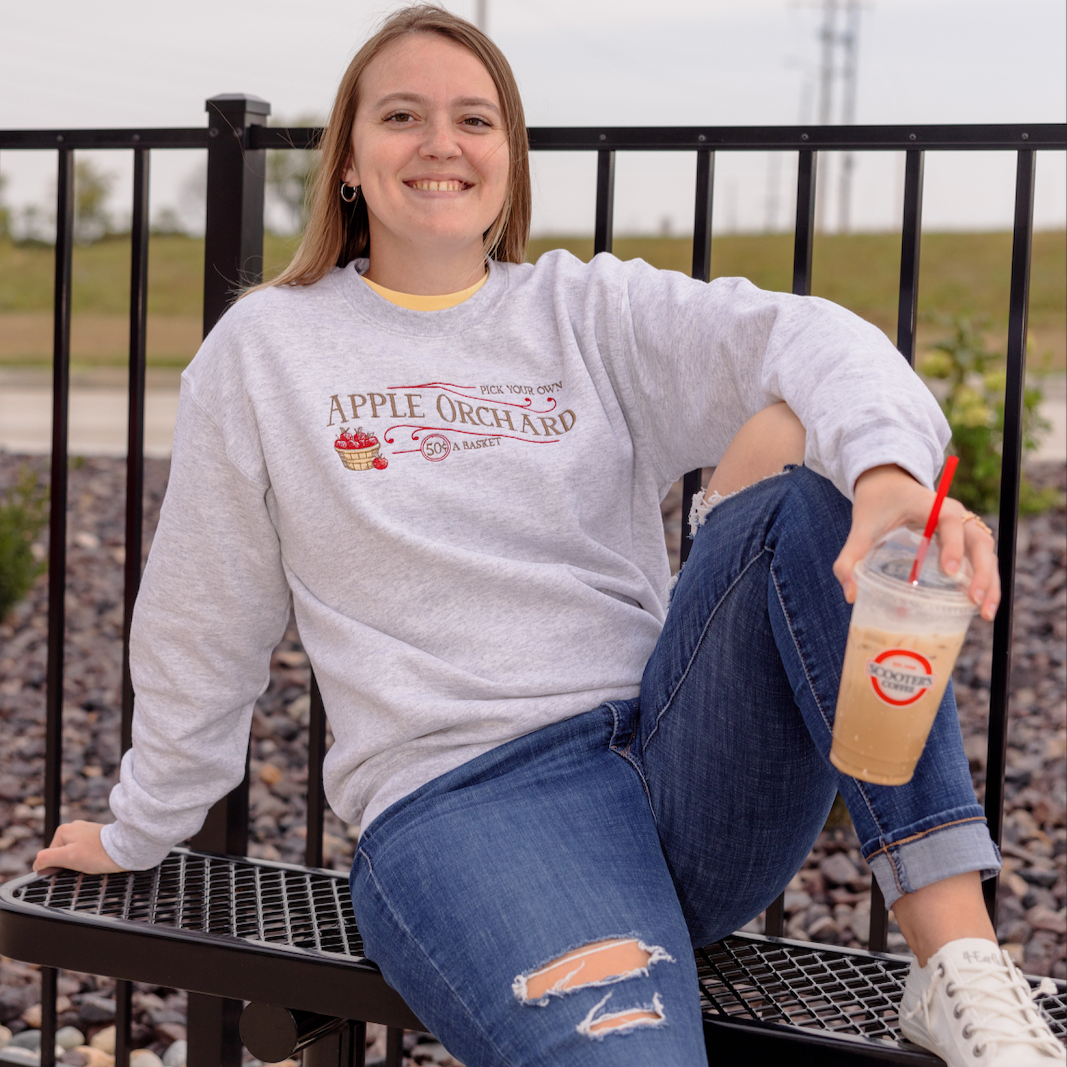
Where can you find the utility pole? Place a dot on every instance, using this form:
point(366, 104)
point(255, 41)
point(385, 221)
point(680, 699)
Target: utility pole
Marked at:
point(481, 15)
point(828, 41)
point(850, 45)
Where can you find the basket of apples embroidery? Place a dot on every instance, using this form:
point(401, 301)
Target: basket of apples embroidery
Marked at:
point(359, 451)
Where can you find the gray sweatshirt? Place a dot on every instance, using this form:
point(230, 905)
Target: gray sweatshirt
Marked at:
point(504, 568)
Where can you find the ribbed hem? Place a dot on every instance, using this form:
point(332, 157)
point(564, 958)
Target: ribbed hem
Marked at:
point(130, 849)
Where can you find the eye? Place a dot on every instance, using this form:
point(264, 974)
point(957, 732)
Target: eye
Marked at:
point(400, 117)
point(476, 121)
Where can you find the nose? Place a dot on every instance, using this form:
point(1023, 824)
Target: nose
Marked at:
point(440, 140)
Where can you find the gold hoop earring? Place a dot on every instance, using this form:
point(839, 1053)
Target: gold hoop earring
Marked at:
point(353, 189)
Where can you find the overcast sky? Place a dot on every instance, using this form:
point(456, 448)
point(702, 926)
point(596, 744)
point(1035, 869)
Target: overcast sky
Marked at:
point(579, 62)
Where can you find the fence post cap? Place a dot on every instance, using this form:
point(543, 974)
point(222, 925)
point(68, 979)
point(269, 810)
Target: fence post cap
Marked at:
point(245, 102)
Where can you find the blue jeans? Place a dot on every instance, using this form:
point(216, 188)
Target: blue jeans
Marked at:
point(669, 820)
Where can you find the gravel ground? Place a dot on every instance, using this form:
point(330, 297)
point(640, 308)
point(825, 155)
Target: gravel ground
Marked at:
point(827, 900)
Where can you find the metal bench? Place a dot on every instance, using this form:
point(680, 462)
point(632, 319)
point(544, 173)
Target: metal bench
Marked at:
point(233, 929)
point(277, 934)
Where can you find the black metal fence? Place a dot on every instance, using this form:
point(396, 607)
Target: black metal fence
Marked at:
point(236, 139)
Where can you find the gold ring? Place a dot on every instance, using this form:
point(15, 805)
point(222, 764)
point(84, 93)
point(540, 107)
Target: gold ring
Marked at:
point(969, 516)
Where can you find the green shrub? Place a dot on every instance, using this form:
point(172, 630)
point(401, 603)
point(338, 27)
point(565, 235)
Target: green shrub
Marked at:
point(23, 514)
point(972, 399)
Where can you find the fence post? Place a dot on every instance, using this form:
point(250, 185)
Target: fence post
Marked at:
point(233, 241)
point(233, 257)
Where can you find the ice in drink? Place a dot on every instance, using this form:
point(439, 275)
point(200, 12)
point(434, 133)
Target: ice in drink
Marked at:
point(903, 641)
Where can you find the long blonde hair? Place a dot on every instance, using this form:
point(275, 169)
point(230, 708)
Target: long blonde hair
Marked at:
point(338, 232)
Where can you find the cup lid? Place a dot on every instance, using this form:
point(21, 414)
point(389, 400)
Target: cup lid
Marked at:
point(893, 556)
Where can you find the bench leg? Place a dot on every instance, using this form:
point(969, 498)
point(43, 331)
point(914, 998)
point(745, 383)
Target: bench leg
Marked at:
point(123, 1020)
point(214, 1031)
point(394, 1046)
point(346, 1047)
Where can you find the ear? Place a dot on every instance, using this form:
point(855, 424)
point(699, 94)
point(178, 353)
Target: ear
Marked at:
point(350, 174)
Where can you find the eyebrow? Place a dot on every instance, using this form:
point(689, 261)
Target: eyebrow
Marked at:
point(415, 98)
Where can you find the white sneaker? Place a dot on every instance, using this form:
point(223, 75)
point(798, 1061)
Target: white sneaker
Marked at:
point(971, 1006)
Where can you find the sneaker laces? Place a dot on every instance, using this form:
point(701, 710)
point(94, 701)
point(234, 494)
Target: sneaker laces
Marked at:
point(1001, 1012)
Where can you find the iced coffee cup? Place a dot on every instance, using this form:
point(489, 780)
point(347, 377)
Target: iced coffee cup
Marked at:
point(902, 645)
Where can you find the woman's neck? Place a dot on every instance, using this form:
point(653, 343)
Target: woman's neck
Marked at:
point(425, 275)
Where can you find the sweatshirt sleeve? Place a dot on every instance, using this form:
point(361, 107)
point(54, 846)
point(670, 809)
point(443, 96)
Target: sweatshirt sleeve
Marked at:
point(213, 604)
point(703, 358)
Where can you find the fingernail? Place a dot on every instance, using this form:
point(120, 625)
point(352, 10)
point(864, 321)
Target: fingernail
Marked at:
point(978, 596)
point(951, 567)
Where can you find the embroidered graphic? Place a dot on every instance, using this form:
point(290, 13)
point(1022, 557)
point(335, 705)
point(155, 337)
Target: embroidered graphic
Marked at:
point(899, 676)
point(434, 447)
point(438, 432)
point(358, 451)
point(465, 391)
point(443, 419)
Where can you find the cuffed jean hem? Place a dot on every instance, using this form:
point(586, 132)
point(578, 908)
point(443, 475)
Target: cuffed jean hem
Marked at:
point(959, 844)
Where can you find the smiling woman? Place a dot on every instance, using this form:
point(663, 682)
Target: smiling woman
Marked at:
point(488, 127)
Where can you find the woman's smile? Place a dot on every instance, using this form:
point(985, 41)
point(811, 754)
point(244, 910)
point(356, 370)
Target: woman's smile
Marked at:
point(438, 185)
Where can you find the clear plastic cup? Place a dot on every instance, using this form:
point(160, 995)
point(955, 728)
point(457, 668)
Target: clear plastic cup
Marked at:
point(902, 645)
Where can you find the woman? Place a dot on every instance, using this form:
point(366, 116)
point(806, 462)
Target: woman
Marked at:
point(452, 463)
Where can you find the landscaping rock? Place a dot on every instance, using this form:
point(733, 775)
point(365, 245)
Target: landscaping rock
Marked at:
point(142, 1057)
point(104, 1040)
point(12, 1054)
point(176, 1055)
point(69, 1037)
point(94, 1057)
point(14, 1000)
point(838, 869)
point(94, 1009)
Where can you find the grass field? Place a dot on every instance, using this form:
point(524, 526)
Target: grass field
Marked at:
point(960, 273)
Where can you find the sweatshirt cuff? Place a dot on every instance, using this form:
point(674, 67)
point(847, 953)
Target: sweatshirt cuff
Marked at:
point(132, 849)
point(916, 454)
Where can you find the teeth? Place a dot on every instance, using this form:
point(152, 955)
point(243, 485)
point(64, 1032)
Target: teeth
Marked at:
point(438, 187)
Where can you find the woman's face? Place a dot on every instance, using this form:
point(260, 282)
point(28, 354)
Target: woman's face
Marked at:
point(429, 149)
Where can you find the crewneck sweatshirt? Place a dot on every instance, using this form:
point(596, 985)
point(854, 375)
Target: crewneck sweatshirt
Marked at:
point(502, 567)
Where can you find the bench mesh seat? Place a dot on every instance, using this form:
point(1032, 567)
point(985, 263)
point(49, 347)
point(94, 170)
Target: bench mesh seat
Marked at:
point(260, 917)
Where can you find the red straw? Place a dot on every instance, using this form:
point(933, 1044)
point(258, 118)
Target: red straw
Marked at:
point(931, 522)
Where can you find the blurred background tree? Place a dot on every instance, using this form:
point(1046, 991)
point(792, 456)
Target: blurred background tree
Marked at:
point(92, 190)
point(5, 211)
point(290, 175)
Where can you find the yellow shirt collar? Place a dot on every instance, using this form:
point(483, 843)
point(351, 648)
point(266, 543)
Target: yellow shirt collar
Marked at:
point(427, 303)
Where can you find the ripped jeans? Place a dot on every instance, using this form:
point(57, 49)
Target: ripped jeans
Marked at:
point(539, 905)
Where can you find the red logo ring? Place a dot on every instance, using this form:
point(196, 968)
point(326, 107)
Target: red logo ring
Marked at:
point(925, 680)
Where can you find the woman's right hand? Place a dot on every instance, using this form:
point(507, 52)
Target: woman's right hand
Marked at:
point(76, 846)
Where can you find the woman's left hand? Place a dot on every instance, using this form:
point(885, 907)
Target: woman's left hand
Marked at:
point(76, 846)
point(888, 497)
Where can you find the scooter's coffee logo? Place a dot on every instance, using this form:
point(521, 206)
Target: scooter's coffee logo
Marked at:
point(899, 676)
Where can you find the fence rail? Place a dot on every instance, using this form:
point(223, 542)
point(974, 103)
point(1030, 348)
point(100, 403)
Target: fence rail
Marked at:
point(236, 139)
